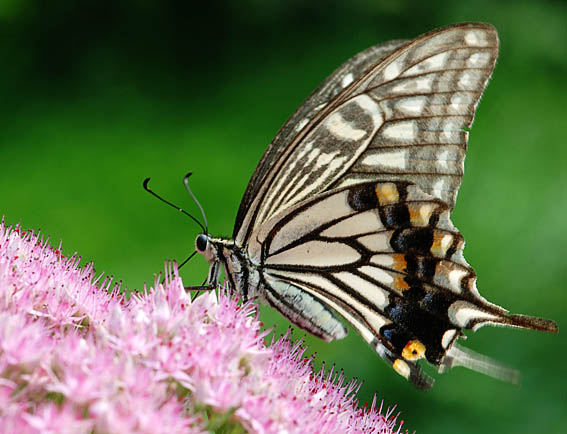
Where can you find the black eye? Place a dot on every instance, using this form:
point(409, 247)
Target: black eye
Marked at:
point(201, 243)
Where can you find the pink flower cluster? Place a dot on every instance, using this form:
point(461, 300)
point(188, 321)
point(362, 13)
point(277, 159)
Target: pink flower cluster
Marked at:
point(77, 356)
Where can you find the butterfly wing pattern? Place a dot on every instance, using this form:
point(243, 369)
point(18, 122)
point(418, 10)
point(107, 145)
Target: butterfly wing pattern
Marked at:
point(349, 209)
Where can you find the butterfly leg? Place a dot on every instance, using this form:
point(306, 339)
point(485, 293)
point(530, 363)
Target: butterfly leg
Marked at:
point(198, 288)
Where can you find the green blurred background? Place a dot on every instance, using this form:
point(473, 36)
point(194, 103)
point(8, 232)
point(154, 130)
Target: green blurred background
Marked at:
point(97, 95)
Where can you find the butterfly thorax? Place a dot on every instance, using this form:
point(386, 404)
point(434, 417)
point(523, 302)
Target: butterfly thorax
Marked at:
point(242, 275)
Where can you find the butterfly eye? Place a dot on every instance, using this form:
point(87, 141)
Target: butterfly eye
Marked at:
point(201, 243)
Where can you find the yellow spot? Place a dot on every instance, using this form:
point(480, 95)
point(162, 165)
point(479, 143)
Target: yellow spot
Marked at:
point(400, 263)
point(441, 243)
point(401, 368)
point(414, 350)
point(387, 193)
point(420, 214)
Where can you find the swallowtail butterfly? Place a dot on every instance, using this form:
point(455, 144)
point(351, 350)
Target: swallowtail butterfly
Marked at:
point(349, 209)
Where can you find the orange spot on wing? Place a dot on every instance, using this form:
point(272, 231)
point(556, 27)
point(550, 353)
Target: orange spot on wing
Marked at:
point(442, 241)
point(400, 284)
point(400, 263)
point(387, 193)
point(420, 213)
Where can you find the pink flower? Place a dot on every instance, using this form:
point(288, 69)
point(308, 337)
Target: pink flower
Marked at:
point(75, 356)
point(50, 418)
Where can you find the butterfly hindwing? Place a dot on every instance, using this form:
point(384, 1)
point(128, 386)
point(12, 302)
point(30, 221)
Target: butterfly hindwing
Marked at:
point(386, 257)
point(371, 252)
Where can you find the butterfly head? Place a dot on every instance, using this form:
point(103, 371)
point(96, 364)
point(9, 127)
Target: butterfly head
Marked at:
point(220, 252)
point(205, 246)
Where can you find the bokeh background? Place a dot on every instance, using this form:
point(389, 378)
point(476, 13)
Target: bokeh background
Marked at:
point(99, 94)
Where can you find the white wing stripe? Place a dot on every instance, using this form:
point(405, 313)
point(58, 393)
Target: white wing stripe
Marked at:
point(412, 106)
point(372, 109)
point(394, 69)
point(342, 129)
point(476, 38)
point(400, 131)
point(377, 274)
point(378, 242)
point(382, 260)
point(479, 59)
point(442, 160)
point(462, 313)
point(413, 85)
point(315, 254)
point(364, 222)
point(347, 79)
point(454, 59)
point(433, 63)
point(427, 105)
point(397, 159)
point(374, 294)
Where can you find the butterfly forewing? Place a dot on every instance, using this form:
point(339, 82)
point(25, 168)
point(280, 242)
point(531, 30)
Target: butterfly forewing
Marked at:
point(402, 118)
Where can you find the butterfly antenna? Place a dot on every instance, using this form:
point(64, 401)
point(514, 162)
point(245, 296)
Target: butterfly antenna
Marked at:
point(187, 260)
point(186, 182)
point(205, 229)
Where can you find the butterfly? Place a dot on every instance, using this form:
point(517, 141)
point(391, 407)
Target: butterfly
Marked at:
point(348, 211)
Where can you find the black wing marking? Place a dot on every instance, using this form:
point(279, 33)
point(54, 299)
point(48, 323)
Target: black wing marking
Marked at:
point(402, 119)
